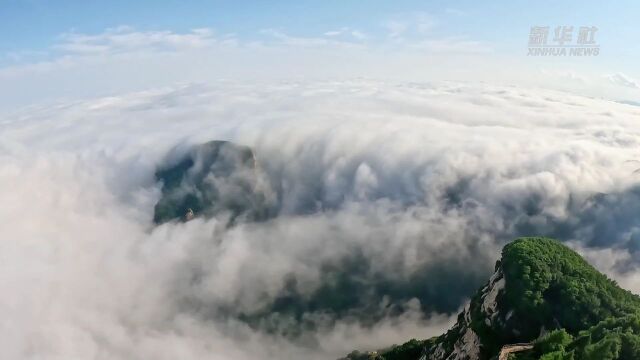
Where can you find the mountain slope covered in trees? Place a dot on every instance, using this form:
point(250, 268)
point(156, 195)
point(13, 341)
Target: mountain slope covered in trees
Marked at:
point(541, 293)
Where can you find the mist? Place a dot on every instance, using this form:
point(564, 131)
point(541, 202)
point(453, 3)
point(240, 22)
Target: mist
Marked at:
point(391, 204)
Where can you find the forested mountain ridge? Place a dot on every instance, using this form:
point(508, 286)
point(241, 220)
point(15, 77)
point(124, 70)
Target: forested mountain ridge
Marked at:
point(542, 293)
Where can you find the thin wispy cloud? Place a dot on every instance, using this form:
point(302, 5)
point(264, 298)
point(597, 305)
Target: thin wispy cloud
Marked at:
point(455, 12)
point(623, 80)
point(124, 59)
point(395, 28)
point(403, 46)
point(282, 38)
point(127, 39)
point(453, 45)
point(410, 24)
point(346, 31)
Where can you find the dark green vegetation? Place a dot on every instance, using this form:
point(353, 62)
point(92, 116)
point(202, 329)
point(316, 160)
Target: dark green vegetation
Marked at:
point(549, 284)
point(213, 178)
point(542, 292)
point(611, 339)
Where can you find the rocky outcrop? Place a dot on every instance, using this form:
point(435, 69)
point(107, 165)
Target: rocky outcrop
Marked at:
point(512, 349)
point(462, 342)
point(468, 345)
point(214, 178)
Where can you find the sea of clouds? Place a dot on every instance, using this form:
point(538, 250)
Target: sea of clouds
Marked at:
point(398, 196)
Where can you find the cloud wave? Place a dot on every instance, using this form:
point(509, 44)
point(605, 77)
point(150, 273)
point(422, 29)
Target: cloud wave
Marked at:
point(393, 200)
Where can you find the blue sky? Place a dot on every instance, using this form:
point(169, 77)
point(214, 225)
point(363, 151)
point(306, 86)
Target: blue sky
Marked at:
point(33, 24)
point(39, 32)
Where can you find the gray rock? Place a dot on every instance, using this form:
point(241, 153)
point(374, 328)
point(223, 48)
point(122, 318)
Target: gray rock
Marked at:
point(215, 178)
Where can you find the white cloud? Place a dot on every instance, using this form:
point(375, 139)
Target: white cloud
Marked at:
point(359, 35)
point(125, 59)
point(396, 28)
point(569, 75)
point(452, 45)
point(356, 34)
point(411, 174)
point(334, 32)
point(298, 41)
point(621, 79)
point(125, 38)
point(410, 24)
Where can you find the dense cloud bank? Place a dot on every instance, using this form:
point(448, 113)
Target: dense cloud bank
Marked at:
point(390, 202)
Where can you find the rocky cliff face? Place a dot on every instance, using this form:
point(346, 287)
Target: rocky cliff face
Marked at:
point(467, 339)
point(486, 324)
point(463, 342)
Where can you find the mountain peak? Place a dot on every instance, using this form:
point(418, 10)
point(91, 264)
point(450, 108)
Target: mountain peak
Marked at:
point(542, 299)
point(212, 178)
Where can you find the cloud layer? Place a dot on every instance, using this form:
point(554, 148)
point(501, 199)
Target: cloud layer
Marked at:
point(393, 202)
